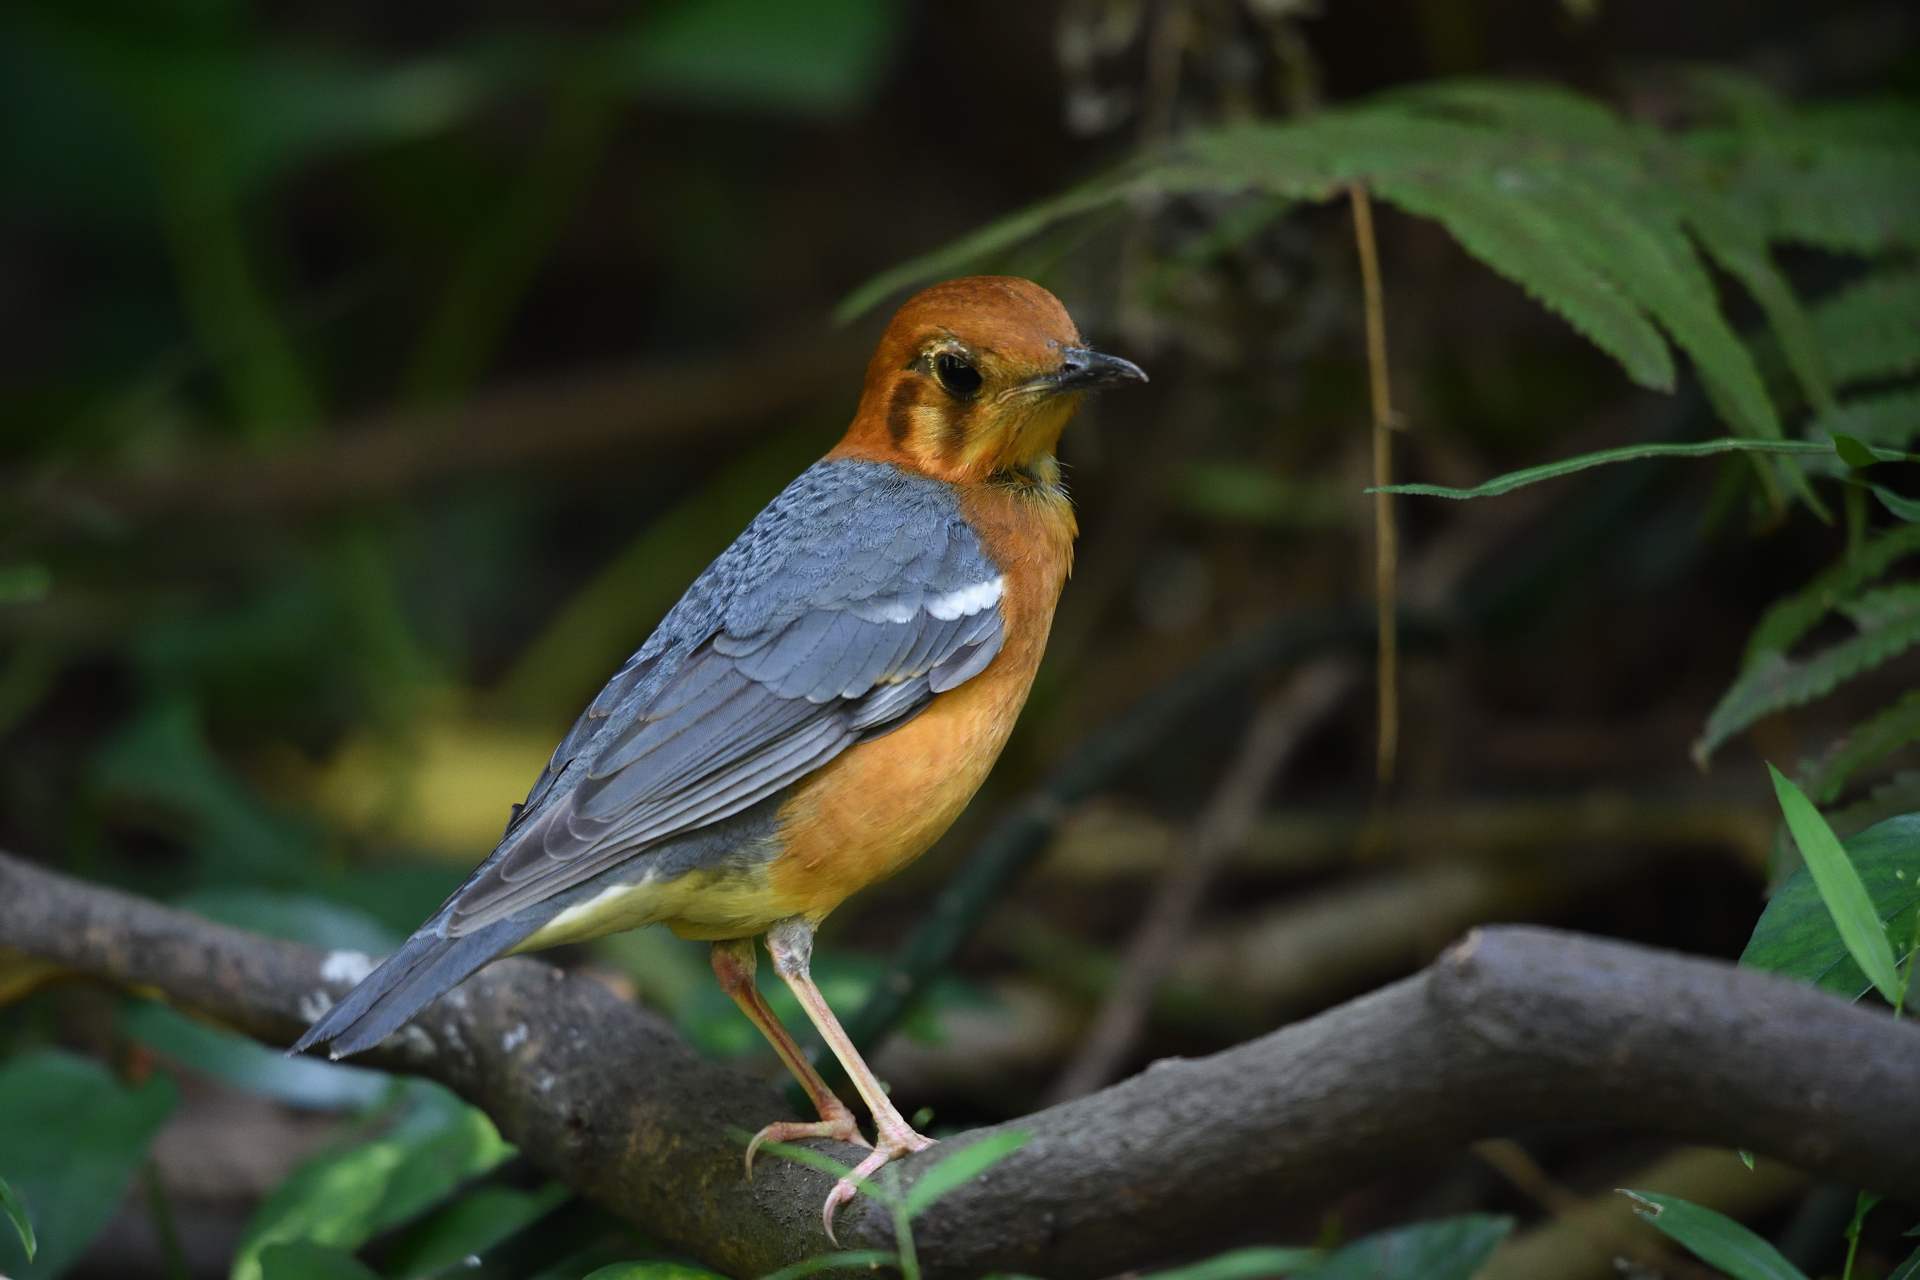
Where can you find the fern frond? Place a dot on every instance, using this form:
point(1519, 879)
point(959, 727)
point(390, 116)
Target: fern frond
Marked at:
point(1871, 329)
point(1866, 190)
point(1890, 625)
point(1791, 617)
point(1532, 107)
point(1888, 418)
point(1519, 242)
point(1864, 746)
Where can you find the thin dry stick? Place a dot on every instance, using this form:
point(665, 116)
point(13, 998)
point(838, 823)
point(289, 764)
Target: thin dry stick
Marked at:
point(1384, 539)
point(1282, 721)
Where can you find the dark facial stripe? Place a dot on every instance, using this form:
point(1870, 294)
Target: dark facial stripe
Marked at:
point(953, 428)
point(900, 411)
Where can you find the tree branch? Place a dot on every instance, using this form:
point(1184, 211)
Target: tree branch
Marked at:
point(1512, 1028)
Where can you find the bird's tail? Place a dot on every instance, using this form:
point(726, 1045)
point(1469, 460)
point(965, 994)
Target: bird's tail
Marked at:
point(427, 966)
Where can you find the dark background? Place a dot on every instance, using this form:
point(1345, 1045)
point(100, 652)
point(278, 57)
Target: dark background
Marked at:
point(376, 375)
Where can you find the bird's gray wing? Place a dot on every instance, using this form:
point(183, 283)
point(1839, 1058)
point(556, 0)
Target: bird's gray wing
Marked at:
point(841, 611)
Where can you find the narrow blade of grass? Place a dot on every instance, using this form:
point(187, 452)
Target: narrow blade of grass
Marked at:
point(961, 1167)
point(1628, 453)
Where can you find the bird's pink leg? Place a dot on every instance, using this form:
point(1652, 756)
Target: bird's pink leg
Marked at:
point(791, 944)
point(733, 964)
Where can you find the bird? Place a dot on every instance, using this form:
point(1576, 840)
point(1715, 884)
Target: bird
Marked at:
point(815, 711)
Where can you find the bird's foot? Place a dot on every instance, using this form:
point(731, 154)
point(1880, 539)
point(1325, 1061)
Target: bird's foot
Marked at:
point(841, 1127)
point(895, 1141)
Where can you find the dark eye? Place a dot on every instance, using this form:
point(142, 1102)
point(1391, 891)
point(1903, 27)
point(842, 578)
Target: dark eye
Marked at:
point(956, 374)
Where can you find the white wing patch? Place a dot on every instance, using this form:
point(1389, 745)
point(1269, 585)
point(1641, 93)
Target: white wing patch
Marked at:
point(964, 602)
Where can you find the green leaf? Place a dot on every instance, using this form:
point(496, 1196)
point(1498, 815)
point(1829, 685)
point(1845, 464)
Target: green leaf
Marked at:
point(1888, 624)
point(1840, 888)
point(1907, 509)
point(1793, 616)
point(1447, 1249)
point(1866, 744)
point(17, 1211)
point(1626, 453)
point(1525, 245)
point(24, 584)
point(345, 1196)
point(671, 1271)
point(71, 1187)
point(467, 1227)
point(1870, 330)
point(825, 1164)
point(1797, 934)
point(822, 58)
point(849, 1258)
point(960, 1167)
point(1714, 1238)
point(1887, 418)
point(1852, 451)
point(1246, 1264)
point(304, 1260)
point(1908, 1270)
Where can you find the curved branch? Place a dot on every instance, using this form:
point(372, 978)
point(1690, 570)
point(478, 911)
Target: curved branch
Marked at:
point(1512, 1028)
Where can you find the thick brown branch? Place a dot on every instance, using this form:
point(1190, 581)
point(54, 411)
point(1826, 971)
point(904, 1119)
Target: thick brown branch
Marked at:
point(1512, 1028)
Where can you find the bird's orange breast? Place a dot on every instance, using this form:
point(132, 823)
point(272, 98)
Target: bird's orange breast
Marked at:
point(883, 803)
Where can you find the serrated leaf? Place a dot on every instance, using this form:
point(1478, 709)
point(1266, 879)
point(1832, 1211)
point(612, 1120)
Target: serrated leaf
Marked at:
point(1797, 936)
point(1625, 453)
point(1791, 617)
point(72, 1187)
point(1870, 329)
point(1854, 911)
point(1714, 1238)
point(1890, 625)
point(1519, 242)
point(1886, 418)
point(1447, 1249)
point(1867, 743)
point(961, 1167)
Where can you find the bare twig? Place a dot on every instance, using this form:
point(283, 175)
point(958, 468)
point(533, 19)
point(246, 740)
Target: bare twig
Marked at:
point(1385, 542)
point(1271, 740)
point(1511, 1028)
point(389, 453)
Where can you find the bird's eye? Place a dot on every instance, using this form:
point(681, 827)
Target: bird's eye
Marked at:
point(956, 374)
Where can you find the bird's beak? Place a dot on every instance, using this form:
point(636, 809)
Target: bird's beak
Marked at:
point(1084, 370)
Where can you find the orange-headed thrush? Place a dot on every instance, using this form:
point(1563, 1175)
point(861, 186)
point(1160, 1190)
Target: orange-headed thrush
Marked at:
point(820, 705)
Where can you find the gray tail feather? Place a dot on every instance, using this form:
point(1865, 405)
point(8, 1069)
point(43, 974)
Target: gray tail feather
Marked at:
point(427, 966)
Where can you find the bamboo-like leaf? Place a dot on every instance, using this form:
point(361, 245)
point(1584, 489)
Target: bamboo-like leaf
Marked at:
point(1796, 935)
point(1840, 888)
point(960, 1167)
point(1714, 1238)
point(1898, 504)
point(848, 1259)
point(17, 1211)
point(1625, 453)
point(1775, 682)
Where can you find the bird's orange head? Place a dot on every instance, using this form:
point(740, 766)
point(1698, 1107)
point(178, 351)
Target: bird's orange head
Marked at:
point(976, 378)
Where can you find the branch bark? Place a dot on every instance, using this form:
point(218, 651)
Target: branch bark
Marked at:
point(1512, 1028)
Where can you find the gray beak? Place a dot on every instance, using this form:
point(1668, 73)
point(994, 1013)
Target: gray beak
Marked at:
point(1084, 370)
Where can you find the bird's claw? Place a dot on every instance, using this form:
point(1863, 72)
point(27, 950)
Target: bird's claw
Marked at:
point(892, 1144)
point(841, 1128)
